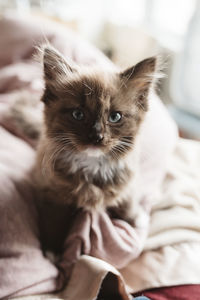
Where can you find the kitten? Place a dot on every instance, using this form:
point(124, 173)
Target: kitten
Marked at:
point(87, 155)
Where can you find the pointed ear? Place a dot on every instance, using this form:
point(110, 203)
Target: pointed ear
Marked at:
point(54, 64)
point(141, 79)
point(56, 71)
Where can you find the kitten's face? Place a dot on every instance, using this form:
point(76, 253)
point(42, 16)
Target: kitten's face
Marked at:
point(93, 112)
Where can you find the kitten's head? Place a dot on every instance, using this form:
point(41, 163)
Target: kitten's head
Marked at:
point(91, 111)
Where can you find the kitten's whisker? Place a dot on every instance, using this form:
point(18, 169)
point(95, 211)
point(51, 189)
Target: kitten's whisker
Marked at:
point(129, 138)
point(122, 147)
point(114, 154)
point(119, 149)
point(67, 141)
point(57, 154)
point(129, 145)
point(59, 145)
point(52, 158)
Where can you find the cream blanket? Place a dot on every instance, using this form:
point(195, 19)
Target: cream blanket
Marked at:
point(171, 255)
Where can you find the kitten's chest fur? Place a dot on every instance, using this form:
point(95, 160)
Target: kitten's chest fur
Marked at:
point(95, 168)
point(89, 182)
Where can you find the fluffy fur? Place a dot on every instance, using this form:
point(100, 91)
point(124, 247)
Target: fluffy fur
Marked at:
point(91, 163)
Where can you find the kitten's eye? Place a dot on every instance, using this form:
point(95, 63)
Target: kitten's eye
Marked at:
point(114, 117)
point(77, 114)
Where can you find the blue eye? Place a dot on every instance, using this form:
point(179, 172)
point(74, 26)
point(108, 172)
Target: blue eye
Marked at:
point(77, 114)
point(114, 117)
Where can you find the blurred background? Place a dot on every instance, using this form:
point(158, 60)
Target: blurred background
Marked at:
point(130, 30)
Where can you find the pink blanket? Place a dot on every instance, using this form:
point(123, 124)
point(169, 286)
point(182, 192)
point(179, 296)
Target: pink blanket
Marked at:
point(23, 267)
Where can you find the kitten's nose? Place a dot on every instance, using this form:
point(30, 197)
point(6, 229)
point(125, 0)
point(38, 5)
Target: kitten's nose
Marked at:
point(96, 137)
point(99, 137)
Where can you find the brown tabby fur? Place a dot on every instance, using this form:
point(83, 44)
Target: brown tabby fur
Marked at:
point(67, 173)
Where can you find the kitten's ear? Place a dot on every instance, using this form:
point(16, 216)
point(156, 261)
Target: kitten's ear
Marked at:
point(141, 78)
point(55, 64)
point(56, 71)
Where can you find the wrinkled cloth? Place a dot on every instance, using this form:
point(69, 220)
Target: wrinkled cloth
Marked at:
point(24, 270)
point(171, 252)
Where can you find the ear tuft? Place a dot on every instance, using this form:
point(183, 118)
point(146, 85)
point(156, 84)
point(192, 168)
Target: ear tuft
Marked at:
point(55, 64)
point(57, 71)
point(142, 78)
point(149, 69)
